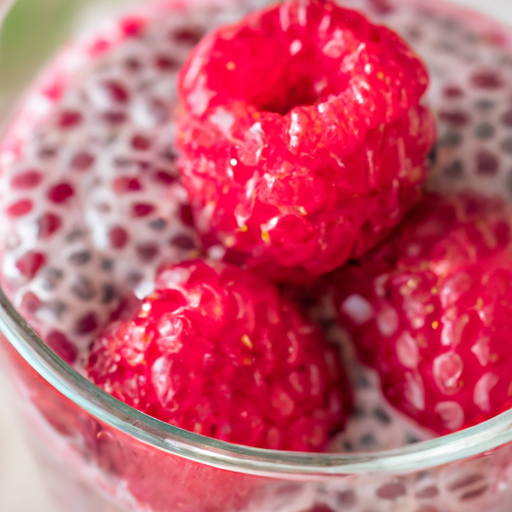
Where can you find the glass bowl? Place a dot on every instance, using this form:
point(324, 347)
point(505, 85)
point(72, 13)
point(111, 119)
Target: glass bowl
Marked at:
point(99, 455)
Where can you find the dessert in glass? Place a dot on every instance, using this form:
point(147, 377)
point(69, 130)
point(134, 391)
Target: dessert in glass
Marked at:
point(256, 256)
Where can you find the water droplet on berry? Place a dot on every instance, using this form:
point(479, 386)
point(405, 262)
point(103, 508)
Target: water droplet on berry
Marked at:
point(451, 414)
point(414, 390)
point(408, 351)
point(483, 389)
point(358, 309)
point(447, 370)
point(387, 321)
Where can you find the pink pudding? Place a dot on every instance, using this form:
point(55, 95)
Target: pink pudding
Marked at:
point(169, 228)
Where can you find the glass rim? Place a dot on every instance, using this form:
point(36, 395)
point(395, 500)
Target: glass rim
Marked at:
point(474, 441)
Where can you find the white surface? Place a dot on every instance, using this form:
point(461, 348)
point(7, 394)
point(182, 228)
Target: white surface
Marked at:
point(21, 489)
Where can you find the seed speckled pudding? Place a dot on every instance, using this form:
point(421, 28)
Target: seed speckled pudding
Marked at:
point(92, 205)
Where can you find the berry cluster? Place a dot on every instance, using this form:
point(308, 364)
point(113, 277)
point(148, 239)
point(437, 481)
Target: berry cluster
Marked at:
point(304, 144)
point(292, 175)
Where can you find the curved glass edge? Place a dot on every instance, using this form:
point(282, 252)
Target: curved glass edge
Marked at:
point(275, 464)
point(478, 440)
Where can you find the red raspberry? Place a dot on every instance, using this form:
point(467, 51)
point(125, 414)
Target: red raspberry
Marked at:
point(217, 351)
point(431, 310)
point(304, 142)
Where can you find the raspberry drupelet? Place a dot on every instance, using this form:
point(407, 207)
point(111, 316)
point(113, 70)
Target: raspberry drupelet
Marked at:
point(303, 137)
point(218, 351)
point(431, 310)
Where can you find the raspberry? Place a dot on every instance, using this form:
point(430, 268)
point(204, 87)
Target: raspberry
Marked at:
point(314, 163)
point(431, 310)
point(217, 351)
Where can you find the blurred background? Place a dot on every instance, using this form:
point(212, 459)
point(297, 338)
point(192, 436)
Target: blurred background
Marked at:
point(21, 487)
point(499, 9)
